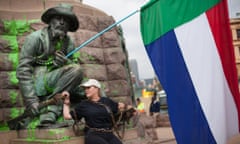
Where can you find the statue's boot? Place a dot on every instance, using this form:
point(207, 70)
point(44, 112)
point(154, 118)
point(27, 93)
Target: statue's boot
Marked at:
point(49, 117)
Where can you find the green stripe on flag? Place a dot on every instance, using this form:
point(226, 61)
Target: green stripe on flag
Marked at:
point(160, 16)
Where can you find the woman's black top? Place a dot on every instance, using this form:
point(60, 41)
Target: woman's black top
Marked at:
point(95, 114)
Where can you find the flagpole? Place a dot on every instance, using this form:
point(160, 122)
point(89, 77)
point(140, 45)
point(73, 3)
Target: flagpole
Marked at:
point(99, 34)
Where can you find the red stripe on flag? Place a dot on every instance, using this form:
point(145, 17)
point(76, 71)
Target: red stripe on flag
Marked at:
point(219, 22)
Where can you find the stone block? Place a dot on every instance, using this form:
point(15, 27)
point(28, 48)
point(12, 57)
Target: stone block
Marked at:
point(10, 113)
point(10, 98)
point(83, 10)
point(87, 22)
point(104, 22)
point(95, 71)
point(8, 44)
point(8, 62)
point(91, 55)
point(7, 136)
point(116, 71)
point(37, 25)
point(114, 55)
point(83, 35)
point(26, 5)
point(8, 80)
point(6, 15)
point(53, 3)
point(26, 15)
point(118, 88)
point(20, 15)
point(110, 39)
point(5, 5)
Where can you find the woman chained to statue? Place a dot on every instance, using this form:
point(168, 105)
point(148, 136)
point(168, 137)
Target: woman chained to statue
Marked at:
point(96, 111)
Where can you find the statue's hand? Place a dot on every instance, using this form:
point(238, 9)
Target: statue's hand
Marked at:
point(33, 109)
point(60, 59)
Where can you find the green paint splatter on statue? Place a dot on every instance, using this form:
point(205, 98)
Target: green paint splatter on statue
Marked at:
point(22, 26)
point(12, 42)
point(66, 138)
point(13, 57)
point(14, 112)
point(59, 45)
point(48, 88)
point(31, 129)
point(13, 77)
point(60, 119)
point(34, 123)
point(76, 56)
point(56, 131)
point(30, 134)
point(17, 27)
point(4, 127)
point(10, 27)
point(13, 96)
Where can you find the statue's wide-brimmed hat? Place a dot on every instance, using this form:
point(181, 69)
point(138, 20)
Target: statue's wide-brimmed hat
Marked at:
point(62, 10)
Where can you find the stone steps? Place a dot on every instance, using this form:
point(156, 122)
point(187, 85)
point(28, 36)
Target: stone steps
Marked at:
point(72, 140)
point(59, 136)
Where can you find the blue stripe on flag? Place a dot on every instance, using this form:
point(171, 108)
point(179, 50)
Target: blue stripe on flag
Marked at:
point(187, 118)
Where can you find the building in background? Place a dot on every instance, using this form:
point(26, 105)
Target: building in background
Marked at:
point(235, 27)
point(134, 72)
point(234, 14)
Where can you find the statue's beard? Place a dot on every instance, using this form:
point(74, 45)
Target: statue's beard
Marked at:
point(58, 34)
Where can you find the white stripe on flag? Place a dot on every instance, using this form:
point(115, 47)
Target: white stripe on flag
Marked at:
point(201, 57)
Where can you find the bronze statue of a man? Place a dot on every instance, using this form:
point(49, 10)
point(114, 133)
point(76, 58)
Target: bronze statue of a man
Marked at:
point(43, 69)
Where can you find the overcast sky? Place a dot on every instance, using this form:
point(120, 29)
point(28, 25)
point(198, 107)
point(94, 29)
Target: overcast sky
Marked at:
point(131, 30)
